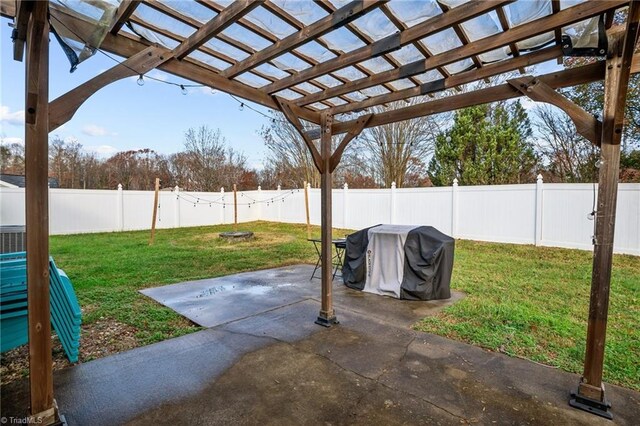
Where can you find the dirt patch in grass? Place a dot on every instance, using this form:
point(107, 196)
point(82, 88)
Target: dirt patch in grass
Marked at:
point(260, 239)
point(99, 339)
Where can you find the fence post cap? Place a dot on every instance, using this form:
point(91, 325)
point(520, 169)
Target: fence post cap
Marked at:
point(393, 185)
point(539, 178)
point(346, 185)
point(259, 188)
point(119, 187)
point(279, 187)
point(222, 189)
point(308, 185)
point(455, 181)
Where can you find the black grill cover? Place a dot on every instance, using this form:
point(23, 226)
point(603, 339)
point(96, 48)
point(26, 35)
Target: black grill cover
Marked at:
point(428, 263)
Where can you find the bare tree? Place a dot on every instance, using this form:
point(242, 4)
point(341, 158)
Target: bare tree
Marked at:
point(209, 163)
point(289, 161)
point(11, 158)
point(398, 151)
point(568, 156)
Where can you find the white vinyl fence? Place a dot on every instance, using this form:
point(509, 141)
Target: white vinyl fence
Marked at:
point(542, 214)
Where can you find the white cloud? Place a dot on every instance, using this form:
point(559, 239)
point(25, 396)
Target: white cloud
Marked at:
point(6, 116)
point(94, 130)
point(11, 140)
point(102, 150)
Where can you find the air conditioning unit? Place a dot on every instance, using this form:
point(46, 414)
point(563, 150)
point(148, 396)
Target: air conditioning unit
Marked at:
point(13, 238)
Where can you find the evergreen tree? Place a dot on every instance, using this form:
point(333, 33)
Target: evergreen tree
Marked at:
point(487, 144)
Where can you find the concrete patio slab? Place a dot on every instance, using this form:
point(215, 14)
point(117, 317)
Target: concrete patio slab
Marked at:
point(276, 367)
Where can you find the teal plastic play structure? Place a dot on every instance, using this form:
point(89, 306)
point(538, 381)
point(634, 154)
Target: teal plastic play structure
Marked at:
point(66, 316)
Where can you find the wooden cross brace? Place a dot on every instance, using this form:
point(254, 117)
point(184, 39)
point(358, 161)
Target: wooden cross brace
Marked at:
point(334, 159)
point(63, 108)
point(586, 124)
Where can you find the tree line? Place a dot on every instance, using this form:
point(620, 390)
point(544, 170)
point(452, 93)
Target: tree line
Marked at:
point(497, 143)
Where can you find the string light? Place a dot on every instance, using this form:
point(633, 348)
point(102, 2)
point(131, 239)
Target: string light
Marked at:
point(183, 87)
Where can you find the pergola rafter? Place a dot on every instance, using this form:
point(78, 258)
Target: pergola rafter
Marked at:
point(512, 35)
point(318, 92)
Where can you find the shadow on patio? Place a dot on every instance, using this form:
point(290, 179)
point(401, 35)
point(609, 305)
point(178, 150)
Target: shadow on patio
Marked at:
point(263, 361)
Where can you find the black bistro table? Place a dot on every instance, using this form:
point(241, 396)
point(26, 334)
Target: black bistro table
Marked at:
point(339, 245)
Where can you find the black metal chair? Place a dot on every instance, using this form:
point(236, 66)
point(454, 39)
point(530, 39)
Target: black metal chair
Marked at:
point(337, 259)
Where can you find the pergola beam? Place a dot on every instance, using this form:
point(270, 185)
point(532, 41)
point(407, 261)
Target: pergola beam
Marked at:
point(466, 77)
point(337, 19)
point(125, 10)
point(206, 32)
point(126, 45)
point(391, 43)
point(571, 77)
point(586, 124)
point(539, 26)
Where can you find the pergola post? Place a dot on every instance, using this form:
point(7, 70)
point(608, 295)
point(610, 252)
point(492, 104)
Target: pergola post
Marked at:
point(327, 316)
point(591, 394)
point(326, 160)
point(42, 407)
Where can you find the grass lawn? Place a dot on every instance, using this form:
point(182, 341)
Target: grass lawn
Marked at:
point(521, 300)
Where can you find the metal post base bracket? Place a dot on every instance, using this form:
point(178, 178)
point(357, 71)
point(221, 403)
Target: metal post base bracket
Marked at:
point(326, 320)
point(593, 406)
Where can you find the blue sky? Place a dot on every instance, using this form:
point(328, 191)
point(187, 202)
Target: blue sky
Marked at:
point(125, 116)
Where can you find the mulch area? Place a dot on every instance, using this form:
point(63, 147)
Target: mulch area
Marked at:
point(99, 339)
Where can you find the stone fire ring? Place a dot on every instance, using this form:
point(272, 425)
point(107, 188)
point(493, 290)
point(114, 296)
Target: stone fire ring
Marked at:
point(237, 235)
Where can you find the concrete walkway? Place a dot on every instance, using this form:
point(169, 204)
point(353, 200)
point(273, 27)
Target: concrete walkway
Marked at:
point(264, 361)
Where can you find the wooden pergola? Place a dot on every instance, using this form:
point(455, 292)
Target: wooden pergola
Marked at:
point(326, 62)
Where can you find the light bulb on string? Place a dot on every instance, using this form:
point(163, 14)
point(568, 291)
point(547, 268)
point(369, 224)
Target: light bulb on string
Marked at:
point(213, 91)
point(241, 107)
point(140, 80)
point(183, 89)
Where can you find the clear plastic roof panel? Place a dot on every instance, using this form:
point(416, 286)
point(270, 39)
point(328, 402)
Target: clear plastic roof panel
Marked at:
point(288, 94)
point(376, 65)
point(99, 14)
point(289, 62)
point(252, 80)
point(429, 76)
point(315, 50)
point(342, 40)
point(350, 73)
point(209, 60)
point(281, 18)
point(305, 12)
point(243, 35)
point(307, 87)
point(160, 20)
point(270, 22)
point(442, 41)
point(272, 71)
point(521, 12)
point(404, 83)
point(412, 12)
point(328, 81)
point(375, 25)
point(191, 9)
point(407, 54)
point(226, 49)
point(482, 26)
